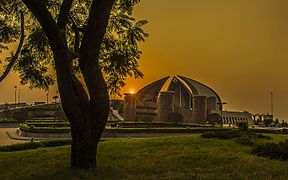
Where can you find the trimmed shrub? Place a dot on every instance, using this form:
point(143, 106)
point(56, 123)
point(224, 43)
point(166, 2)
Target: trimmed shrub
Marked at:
point(8, 120)
point(159, 130)
point(222, 134)
point(261, 136)
point(241, 137)
point(26, 128)
point(242, 126)
point(245, 140)
point(159, 125)
point(272, 150)
point(284, 131)
point(34, 145)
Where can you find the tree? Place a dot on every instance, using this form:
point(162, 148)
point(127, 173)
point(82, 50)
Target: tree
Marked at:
point(93, 46)
point(267, 122)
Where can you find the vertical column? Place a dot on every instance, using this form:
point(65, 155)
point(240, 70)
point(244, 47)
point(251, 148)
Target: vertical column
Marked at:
point(211, 104)
point(130, 107)
point(165, 105)
point(199, 111)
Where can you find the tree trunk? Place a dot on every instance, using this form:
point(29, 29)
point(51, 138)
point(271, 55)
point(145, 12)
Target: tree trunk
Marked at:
point(85, 139)
point(84, 148)
point(87, 125)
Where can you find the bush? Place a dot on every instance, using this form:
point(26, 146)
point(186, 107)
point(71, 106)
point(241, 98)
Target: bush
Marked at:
point(222, 134)
point(34, 145)
point(26, 128)
point(272, 150)
point(261, 136)
point(241, 137)
point(245, 140)
point(243, 126)
point(158, 130)
point(284, 131)
point(8, 119)
point(159, 125)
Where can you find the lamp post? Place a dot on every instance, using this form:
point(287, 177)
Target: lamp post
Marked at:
point(55, 101)
point(15, 94)
point(47, 95)
point(47, 98)
point(221, 110)
point(146, 103)
point(19, 95)
point(272, 104)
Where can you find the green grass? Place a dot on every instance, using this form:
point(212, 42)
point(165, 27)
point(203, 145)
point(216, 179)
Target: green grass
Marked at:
point(179, 157)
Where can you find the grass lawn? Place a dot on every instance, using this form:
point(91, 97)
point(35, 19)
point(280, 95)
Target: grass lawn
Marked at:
point(179, 157)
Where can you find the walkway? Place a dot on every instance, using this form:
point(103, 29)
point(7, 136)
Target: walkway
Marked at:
point(11, 129)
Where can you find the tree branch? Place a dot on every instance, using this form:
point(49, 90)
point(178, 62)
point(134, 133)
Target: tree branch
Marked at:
point(48, 24)
point(77, 37)
point(91, 45)
point(69, 89)
point(15, 56)
point(64, 13)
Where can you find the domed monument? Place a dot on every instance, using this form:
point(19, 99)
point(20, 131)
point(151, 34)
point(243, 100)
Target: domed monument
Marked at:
point(162, 99)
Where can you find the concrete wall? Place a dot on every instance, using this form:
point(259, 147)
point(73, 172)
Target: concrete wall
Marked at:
point(165, 105)
point(129, 107)
point(211, 104)
point(186, 113)
point(199, 110)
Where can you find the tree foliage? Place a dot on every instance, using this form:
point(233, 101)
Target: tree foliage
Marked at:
point(119, 50)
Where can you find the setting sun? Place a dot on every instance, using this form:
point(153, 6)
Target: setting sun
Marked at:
point(132, 91)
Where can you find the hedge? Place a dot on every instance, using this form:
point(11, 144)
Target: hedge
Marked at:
point(272, 150)
point(34, 145)
point(26, 128)
point(159, 125)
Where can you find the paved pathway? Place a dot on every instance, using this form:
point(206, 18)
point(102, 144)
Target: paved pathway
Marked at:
point(5, 139)
point(11, 129)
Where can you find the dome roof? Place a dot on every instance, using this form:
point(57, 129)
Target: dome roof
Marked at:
point(184, 88)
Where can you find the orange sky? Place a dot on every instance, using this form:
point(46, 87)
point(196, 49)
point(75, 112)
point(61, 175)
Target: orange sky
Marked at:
point(237, 47)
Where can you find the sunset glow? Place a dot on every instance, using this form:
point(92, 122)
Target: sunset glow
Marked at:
point(132, 91)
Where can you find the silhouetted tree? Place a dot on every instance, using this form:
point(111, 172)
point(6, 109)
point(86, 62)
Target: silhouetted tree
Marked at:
point(93, 46)
point(267, 122)
point(277, 121)
point(284, 123)
point(242, 126)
